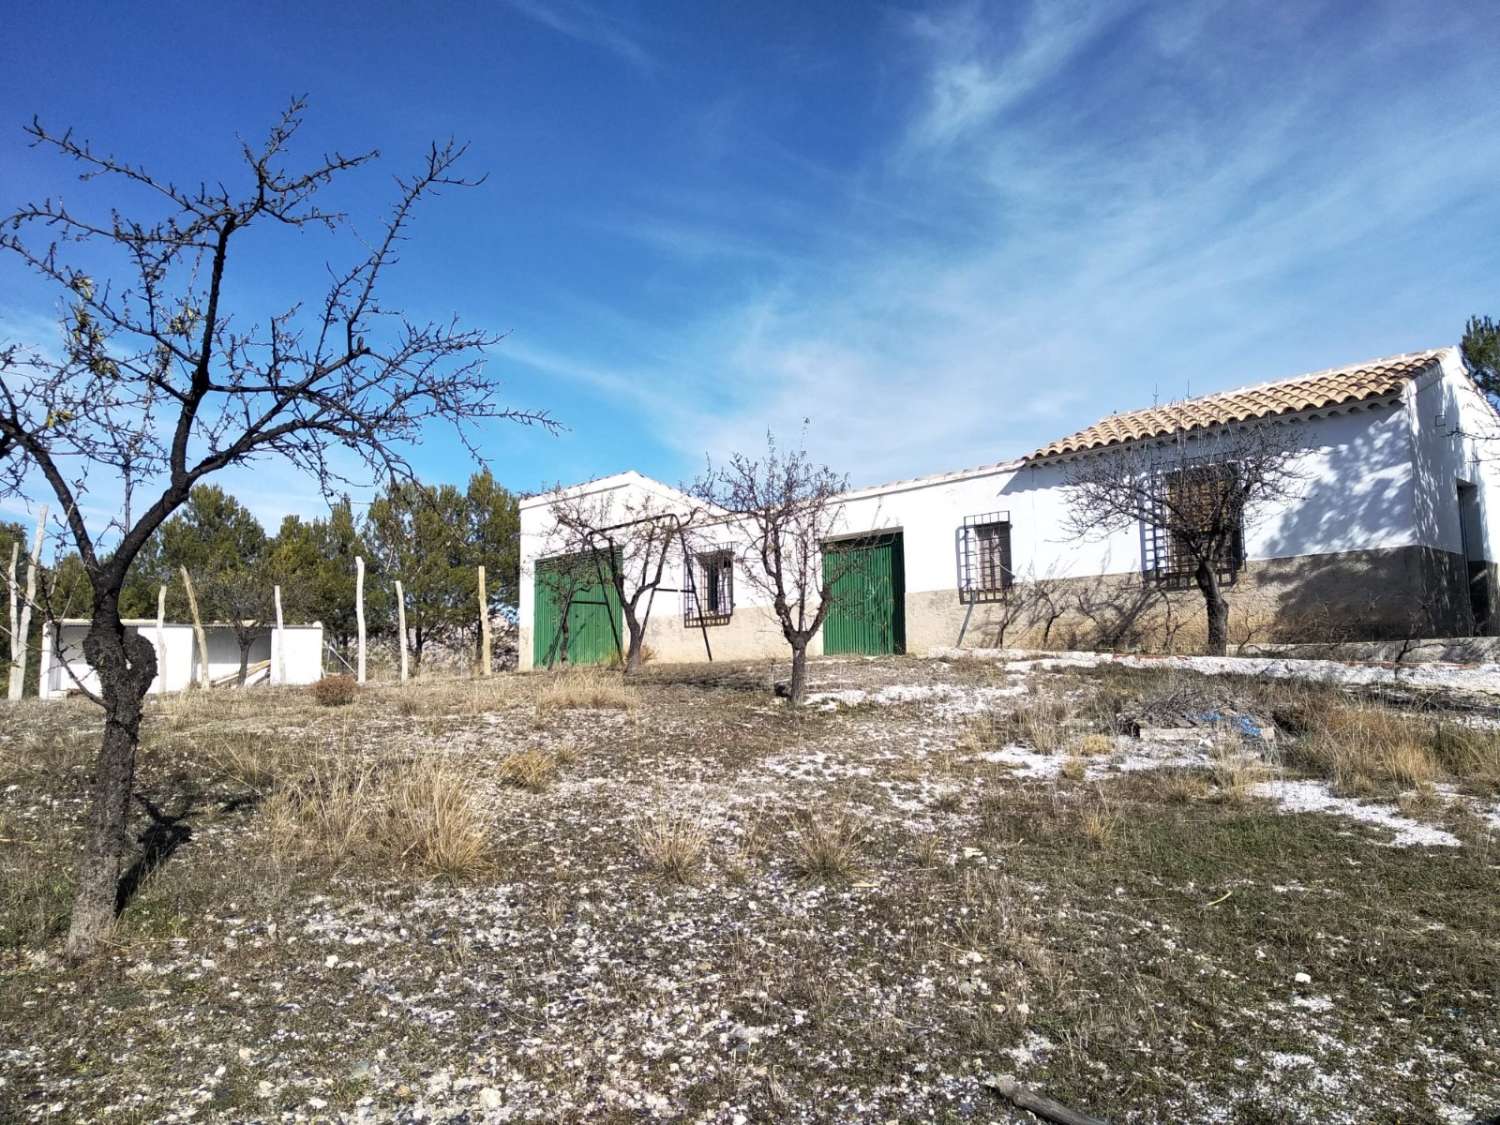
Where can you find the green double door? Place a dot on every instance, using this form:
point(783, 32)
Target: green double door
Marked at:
point(869, 596)
point(577, 616)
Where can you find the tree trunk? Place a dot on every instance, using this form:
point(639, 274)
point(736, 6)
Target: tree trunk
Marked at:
point(1218, 611)
point(796, 691)
point(633, 651)
point(244, 662)
point(125, 665)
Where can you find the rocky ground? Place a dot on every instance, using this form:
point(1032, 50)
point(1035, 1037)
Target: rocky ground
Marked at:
point(1127, 888)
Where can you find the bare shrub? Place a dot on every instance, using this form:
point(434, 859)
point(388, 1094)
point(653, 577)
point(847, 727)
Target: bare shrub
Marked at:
point(828, 847)
point(529, 769)
point(672, 845)
point(587, 688)
point(335, 691)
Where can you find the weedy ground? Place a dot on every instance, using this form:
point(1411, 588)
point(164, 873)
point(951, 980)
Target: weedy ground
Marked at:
point(562, 897)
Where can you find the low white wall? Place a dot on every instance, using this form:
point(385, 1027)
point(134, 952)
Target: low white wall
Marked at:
point(64, 668)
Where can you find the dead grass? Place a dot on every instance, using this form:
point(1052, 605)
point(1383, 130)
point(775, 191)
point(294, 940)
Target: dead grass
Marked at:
point(828, 846)
point(1038, 723)
point(1094, 743)
point(1073, 769)
point(1180, 787)
point(1366, 748)
point(1235, 773)
point(530, 769)
point(587, 688)
point(673, 846)
point(421, 814)
point(1100, 825)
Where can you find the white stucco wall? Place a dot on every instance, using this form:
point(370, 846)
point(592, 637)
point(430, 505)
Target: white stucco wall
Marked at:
point(1455, 437)
point(63, 666)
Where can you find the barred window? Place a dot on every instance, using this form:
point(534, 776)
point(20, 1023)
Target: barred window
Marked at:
point(708, 596)
point(984, 559)
point(1198, 511)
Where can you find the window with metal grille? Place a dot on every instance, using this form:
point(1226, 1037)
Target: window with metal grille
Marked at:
point(708, 598)
point(1198, 511)
point(984, 564)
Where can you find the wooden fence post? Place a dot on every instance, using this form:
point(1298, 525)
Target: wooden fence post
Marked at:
point(280, 638)
point(12, 591)
point(401, 626)
point(161, 637)
point(198, 633)
point(18, 666)
point(484, 627)
point(359, 610)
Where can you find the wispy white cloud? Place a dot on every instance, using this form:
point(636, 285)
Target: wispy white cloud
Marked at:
point(1074, 216)
point(978, 69)
point(588, 24)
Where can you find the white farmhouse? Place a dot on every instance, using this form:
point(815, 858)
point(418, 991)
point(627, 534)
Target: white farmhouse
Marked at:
point(1393, 530)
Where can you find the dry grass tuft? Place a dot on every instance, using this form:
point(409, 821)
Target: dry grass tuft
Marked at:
point(1180, 788)
point(828, 847)
point(1365, 748)
point(422, 814)
point(1100, 826)
point(529, 769)
point(587, 687)
point(1235, 773)
point(433, 811)
point(1469, 754)
point(673, 846)
point(1039, 724)
point(1091, 744)
point(1074, 769)
point(335, 691)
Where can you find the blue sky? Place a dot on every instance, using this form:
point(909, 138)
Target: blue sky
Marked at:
point(942, 234)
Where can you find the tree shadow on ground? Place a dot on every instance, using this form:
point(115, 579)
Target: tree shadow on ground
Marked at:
point(163, 836)
point(166, 833)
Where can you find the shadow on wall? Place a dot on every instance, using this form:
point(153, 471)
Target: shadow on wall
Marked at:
point(1339, 561)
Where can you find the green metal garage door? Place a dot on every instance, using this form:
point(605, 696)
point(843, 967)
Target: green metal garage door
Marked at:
point(869, 596)
point(592, 633)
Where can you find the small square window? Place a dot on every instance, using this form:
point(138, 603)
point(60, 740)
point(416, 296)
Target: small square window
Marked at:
point(708, 597)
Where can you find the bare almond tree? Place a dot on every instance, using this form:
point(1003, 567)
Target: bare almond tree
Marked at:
point(1193, 494)
point(158, 387)
point(784, 508)
point(627, 544)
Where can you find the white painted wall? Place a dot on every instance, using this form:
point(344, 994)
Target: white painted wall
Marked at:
point(1372, 477)
point(64, 667)
point(1455, 437)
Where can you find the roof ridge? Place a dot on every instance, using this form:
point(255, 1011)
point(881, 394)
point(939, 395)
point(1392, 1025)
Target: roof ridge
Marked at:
point(1341, 369)
point(1360, 380)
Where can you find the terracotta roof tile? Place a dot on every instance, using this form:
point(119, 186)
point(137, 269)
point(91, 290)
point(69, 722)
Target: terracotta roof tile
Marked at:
point(1336, 386)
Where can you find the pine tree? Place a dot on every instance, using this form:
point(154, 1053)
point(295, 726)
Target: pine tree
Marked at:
point(1481, 348)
